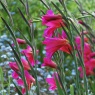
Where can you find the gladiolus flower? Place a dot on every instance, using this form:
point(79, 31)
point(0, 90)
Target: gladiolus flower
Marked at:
point(87, 71)
point(20, 82)
point(78, 40)
point(48, 32)
point(20, 41)
point(29, 54)
point(91, 66)
point(52, 83)
point(48, 62)
point(81, 22)
point(52, 21)
point(13, 65)
point(29, 80)
point(54, 44)
point(67, 48)
point(15, 75)
point(25, 64)
point(63, 35)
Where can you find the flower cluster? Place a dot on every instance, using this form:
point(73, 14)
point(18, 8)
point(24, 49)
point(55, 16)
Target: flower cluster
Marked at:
point(54, 43)
point(16, 67)
point(88, 56)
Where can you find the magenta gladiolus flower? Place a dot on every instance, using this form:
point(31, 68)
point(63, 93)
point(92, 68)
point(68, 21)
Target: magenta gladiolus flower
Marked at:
point(91, 66)
point(78, 39)
point(23, 91)
point(88, 72)
point(29, 77)
point(48, 32)
point(87, 49)
point(29, 54)
point(52, 21)
point(13, 66)
point(29, 80)
point(54, 44)
point(15, 75)
point(63, 35)
point(91, 55)
point(20, 82)
point(51, 81)
point(25, 64)
point(20, 41)
point(48, 62)
point(81, 72)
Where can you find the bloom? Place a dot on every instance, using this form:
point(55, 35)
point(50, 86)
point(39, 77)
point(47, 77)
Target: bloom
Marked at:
point(29, 79)
point(29, 54)
point(20, 41)
point(54, 44)
point(25, 64)
point(52, 21)
point(78, 39)
point(14, 65)
point(15, 75)
point(89, 67)
point(51, 81)
point(49, 31)
point(48, 62)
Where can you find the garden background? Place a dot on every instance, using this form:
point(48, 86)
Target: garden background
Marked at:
point(36, 9)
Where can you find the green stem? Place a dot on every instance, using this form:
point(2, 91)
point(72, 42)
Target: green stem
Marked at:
point(71, 90)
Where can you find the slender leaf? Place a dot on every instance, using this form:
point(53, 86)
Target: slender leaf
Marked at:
point(22, 15)
point(7, 11)
point(18, 90)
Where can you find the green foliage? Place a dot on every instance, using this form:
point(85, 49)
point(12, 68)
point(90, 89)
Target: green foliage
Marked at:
point(23, 20)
